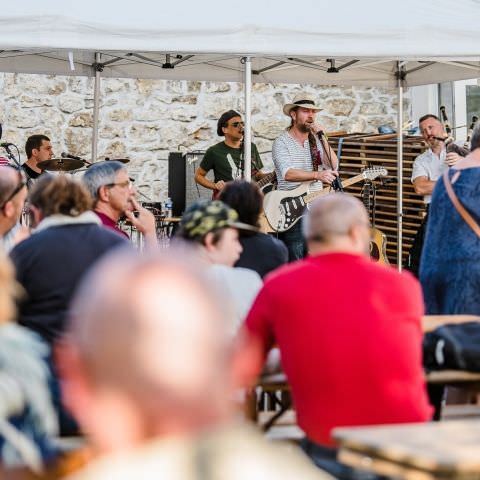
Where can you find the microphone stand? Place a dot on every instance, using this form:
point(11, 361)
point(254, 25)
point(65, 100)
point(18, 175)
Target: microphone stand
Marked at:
point(241, 165)
point(11, 156)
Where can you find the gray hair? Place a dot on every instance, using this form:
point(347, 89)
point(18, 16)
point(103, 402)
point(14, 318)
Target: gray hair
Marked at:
point(475, 142)
point(100, 174)
point(333, 215)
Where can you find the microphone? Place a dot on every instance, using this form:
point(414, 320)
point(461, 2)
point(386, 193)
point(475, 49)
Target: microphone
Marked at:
point(69, 155)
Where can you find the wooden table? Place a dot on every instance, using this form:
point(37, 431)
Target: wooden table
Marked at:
point(431, 322)
point(447, 450)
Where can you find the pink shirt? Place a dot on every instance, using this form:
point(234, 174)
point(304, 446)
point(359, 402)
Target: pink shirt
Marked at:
point(109, 223)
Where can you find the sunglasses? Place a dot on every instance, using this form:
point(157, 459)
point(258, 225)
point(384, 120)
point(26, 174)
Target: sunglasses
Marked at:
point(21, 183)
point(237, 124)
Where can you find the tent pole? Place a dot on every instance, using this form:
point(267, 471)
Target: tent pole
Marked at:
point(400, 78)
point(247, 150)
point(96, 105)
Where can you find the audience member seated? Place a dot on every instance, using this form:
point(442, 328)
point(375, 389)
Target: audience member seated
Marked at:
point(213, 228)
point(27, 417)
point(261, 252)
point(13, 192)
point(113, 196)
point(155, 397)
point(348, 329)
point(67, 240)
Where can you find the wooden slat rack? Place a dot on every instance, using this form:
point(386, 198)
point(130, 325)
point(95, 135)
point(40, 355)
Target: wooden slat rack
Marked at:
point(360, 151)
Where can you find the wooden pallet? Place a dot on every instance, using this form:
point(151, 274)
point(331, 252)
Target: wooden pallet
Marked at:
point(360, 151)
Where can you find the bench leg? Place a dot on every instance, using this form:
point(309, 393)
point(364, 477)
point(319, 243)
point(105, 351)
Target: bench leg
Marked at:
point(435, 395)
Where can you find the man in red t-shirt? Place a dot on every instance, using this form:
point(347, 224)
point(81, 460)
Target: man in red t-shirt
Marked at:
point(348, 330)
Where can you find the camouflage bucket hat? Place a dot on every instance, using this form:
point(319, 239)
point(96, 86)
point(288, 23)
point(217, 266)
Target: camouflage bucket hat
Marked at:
point(207, 215)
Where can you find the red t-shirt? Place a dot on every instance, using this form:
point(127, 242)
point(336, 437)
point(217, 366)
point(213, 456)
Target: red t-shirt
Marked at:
point(349, 333)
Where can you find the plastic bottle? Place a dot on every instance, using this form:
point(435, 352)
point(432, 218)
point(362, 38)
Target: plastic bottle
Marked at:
point(168, 207)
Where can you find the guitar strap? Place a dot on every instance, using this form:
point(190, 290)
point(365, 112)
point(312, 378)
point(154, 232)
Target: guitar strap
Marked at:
point(459, 207)
point(314, 152)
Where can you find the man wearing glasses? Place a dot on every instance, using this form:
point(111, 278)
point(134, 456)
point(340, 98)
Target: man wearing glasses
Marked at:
point(114, 196)
point(37, 148)
point(13, 193)
point(226, 158)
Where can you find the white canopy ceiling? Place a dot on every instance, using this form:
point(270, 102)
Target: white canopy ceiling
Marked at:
point(318, 42)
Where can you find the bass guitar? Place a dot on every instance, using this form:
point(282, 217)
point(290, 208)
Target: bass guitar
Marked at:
point(284, 208)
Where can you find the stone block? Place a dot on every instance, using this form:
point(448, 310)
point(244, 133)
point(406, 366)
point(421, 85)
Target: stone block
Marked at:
point(120, 115)
point(84, 119)
point(22, 118)
point(216, 87)
point(78, 141)
point(373, 108)
point(270, 128)
point(340, 106)
point(70, 104)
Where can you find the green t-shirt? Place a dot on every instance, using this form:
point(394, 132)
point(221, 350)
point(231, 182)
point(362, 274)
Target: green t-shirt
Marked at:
point(225, 161)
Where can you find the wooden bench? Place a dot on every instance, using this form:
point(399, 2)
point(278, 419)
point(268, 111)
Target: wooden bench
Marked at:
point(436, 381)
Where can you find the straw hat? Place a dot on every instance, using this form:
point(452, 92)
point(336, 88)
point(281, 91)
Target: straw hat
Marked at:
point(301, 100)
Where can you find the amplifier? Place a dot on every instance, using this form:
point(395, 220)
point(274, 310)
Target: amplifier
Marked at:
point(182, 188)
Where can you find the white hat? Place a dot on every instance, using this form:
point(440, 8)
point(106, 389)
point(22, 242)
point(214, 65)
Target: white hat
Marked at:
point(301, 100)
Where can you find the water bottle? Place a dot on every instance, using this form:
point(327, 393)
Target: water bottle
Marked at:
point(168, 207)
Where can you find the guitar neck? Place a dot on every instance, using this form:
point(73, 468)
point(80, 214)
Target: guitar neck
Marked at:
point(268, 178)
point(346, 183)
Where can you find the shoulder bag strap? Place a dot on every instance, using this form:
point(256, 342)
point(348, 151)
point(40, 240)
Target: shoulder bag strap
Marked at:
point(460, 208)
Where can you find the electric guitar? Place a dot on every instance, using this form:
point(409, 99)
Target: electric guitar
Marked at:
point(267, 179)
point(284, 208)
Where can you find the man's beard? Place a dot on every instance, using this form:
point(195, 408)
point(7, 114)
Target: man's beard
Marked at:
point(433, 142)
point(304, 127)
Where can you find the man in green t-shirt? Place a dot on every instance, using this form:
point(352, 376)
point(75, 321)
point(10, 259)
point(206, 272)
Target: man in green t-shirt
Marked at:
point(226, 158)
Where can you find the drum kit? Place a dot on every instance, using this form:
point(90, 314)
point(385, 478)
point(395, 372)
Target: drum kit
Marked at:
point(69, 163)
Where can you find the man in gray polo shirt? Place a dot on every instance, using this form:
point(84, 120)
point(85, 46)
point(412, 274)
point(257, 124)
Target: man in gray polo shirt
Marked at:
point(302, 154)
point(427, 168)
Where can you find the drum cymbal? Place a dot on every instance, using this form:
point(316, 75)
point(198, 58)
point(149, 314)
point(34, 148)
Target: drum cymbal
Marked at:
point(60, 164)
point(122, 160)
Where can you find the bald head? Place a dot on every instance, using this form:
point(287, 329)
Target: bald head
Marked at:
point(148, 327)
point(333, 219)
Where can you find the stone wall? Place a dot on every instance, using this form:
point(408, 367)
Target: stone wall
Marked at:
point(146, 119)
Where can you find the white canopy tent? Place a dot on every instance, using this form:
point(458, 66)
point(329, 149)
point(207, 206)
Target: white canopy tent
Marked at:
point(375, 43)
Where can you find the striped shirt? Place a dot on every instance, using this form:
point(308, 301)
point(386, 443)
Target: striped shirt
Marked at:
point(287, 153)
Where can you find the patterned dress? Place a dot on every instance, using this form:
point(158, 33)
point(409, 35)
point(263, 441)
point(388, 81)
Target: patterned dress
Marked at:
point(450, 264)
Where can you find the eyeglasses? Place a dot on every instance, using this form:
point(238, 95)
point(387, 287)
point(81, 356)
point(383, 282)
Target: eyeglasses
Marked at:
point(126, 184)
point(237, 124)
point(21, 183)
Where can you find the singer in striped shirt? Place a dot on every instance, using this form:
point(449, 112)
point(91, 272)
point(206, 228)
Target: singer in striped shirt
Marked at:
point(302, 154)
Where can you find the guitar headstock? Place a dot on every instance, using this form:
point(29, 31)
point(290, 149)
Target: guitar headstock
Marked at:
point(374, 172)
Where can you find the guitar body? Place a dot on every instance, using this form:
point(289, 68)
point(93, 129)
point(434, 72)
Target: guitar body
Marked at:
point(378, 246)
point(284, 208)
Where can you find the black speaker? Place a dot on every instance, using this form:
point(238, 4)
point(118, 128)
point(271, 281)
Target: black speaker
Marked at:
point(176, 182)
point(182, 188)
